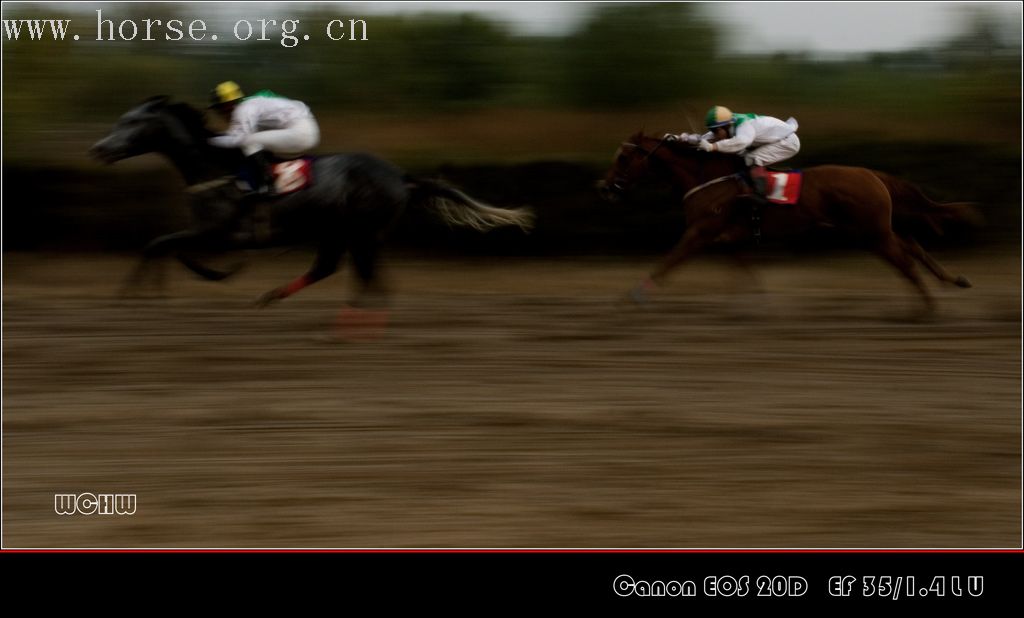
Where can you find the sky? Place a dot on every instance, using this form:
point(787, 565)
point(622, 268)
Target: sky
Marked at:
point(823, 27)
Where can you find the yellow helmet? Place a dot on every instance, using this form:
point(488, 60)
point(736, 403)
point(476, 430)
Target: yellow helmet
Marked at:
point(226, 92)
point(718, 116)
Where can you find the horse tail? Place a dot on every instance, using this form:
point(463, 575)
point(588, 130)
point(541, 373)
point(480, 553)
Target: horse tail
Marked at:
point(456, 208)
point(912, 210)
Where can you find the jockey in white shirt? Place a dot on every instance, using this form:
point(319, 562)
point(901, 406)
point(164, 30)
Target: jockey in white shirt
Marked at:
point(760, 140)
point(264, 122)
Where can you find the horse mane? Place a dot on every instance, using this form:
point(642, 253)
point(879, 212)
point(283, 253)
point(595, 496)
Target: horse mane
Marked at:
point(188, 128)
point(191, 118)
point(684, 150)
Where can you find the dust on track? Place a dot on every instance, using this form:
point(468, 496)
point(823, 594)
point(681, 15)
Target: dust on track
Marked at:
point(515, 403)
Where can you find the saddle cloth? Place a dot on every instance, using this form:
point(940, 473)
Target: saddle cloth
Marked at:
point(292, 175)
point(777, 186)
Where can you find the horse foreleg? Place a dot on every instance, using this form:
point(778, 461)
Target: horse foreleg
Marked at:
point(204, 271)
point(325, 265)
point(742, 263)
point(156, 249)
point(916, 250)
point(696, 238)
point(891, 248)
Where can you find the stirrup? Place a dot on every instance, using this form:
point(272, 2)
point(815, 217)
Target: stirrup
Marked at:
point(755, 218)
point(252, 198)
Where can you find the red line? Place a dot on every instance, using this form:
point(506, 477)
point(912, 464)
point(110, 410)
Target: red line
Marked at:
point(515, 551)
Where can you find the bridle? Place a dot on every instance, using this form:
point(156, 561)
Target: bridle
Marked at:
point(618, 181)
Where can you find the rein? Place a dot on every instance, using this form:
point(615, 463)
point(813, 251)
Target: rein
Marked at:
point(188, 129)
point(619, 180)
point(709, 183)
point(203, 187)
point(650, 153)
point(699, 171)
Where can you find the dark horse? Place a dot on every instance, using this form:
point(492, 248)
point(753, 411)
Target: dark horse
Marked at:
point(877, 210)
point(354, 200)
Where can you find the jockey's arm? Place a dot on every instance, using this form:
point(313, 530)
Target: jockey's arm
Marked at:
point(226, 141)
point(693, 138)
point(243, 123)
point(745, 135)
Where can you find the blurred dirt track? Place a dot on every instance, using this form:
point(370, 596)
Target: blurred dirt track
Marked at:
point(515, 403)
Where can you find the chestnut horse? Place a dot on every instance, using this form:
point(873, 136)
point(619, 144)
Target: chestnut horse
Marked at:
point(719, 208)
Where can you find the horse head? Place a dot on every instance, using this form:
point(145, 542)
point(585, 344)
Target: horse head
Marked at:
point(682, 164)
point(631, 163)
point(155, 125)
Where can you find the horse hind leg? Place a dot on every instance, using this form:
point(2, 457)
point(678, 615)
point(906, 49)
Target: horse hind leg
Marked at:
point(365, 260)
point(891, 248)
point(916, 250)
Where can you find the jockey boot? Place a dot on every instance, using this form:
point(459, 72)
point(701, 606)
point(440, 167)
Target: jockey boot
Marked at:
point(260, 176)
point(757, 183)
point(255, 215)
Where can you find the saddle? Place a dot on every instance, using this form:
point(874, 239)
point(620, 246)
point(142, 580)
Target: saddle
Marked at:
point(292, 175)
point(774, 185)
point(283, 175)
point(770, 186)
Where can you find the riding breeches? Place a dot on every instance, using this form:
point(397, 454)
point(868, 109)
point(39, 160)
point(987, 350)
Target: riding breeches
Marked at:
point(300, 136)
point(773, 153)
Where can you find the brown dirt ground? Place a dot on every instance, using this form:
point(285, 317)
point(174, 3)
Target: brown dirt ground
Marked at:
point(514, 403)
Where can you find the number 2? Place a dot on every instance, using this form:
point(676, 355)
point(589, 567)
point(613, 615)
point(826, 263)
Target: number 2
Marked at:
point(289, 176)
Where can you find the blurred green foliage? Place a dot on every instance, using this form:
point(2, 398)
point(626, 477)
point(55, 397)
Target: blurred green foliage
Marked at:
point(459, 88)
point(639, 56)
point(623, 57)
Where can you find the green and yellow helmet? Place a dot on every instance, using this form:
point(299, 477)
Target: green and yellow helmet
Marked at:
point(718, 116)
point(226, 92)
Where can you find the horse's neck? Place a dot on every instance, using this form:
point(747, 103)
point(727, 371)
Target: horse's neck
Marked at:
point(195, 159)
point(199, 162)
point(696, 168)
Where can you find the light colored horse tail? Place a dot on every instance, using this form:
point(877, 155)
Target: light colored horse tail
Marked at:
point(456, 208)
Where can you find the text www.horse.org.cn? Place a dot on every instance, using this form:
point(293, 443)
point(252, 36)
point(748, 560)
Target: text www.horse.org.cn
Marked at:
point(245, 30)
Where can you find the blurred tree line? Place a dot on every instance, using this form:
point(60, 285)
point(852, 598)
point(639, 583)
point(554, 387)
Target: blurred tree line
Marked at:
point(624, 62)
point(623, 57)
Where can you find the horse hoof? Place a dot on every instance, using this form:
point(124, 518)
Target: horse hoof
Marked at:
point(361, 325)
point(637, 296)
point(922, 315)
point(962, 281)
point(267, 299)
